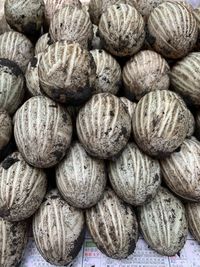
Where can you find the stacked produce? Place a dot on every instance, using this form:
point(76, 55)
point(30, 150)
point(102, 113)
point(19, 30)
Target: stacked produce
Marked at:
point(111, 111)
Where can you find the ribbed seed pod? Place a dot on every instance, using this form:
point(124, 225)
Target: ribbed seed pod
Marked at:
point(163, 223)
point(193, 217)
point(181, 170)
point(113, 226)
point(16, 47)
point(13, 239)
point(73, 25)
point(66, 73)
point(160, 123)
point(51, 6)
point(43, 43)
point(185, 78)
point(121, 29)
point(22, 188)
point(108, 73)
point(58, 230)
point(80, 178)
point(25, 16)
point(134, 176)
point(97, 7)
point(43, 131)
point(146, 71)
point(129, 106)
point(11, 85)
point(173, 29)
point(32, 77)
point(105, 131)
point(5, 128)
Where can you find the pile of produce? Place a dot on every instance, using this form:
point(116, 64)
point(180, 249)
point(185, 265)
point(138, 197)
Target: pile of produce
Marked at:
point(99, 126)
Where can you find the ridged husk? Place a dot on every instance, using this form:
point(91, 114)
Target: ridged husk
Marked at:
point(172, 29)
point(73, 25)
point(43, 43)
point(58, 230)
point(108, 73)
point(13, 239)
point(66, 73)
point(160, 123)
point(22, 188)
point(134, 176)
point(181, 170)
point(80, 178)
point(193, 217)
point(113, 226)
point(163, 223)
point(5, 128)
point(121, 29)
point(43, 131)
point(146, 71)
point(103, 126)
point(16, 47)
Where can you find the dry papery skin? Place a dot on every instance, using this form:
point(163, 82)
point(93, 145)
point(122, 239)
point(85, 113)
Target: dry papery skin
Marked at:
point(172, 30)
point(145, 72)
point(25, 16)
point(105, 131)
point(113, 226)
point(16, 47)
point(96, 41)
point(163, 223)
point(129, 106)
point(11, 85)
point(73, 25)
point(5, 128)
point(22, 188)
point(134, 176)
point(193, 217)
point(160, 123)
point(13, 240)
point(80, 178)
point(108, 73)
point(43, 131)
point(67, 73)
point(58, 230)
point(51, 6)
point(43, 43)
point(185, 78)
point(121, 29)
point(97, 7)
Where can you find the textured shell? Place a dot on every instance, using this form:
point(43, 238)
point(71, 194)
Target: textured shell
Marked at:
point(25, 16)
point(163, 223)
point(32, 77)
point(16, 47)
point(11, 86)
point(113, 226)
point(43, 131)
point(80, 178)
point(51, 6)
point(22, 188)
point(196, 13)
point(43, 43)
point(129, 106)
point(121, 29)
point(134, 176)
point(96, 41)
point(58, 230)
point(105, 131)
point(4, 27)
point(13, 239)
point(73, 25)
point(66, 73)
point(193, 217)
point(181, 170)
point(146, 71)
point(160, 123)
point(185, 78)
point(108, 73)
point(5, 128)
point(191, 123)
point(197, 125)
point(97, 7)
point(173, 29)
